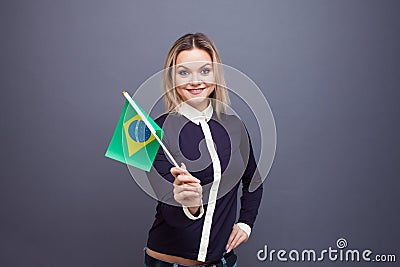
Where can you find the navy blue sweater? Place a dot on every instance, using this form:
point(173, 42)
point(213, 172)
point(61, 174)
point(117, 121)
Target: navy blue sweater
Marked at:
point(173, 232)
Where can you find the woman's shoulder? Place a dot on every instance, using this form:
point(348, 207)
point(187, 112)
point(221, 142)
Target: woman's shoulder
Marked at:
point(161, 119)
point(231, 119)
point(175, 118)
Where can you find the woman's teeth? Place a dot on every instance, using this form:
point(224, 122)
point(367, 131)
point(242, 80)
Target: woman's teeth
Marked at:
point(195, 91)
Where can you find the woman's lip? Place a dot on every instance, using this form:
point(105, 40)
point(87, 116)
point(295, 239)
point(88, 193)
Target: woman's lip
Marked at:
point(195, 91)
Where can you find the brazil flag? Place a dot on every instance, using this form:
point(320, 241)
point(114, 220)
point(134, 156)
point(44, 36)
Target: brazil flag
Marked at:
point(132, 142)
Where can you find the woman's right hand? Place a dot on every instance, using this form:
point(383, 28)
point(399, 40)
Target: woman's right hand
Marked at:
point(187, 189)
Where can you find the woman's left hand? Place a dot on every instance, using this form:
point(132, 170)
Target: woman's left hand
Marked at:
point(237, 237)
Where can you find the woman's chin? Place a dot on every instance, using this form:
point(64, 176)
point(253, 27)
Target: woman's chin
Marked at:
point(197, 101)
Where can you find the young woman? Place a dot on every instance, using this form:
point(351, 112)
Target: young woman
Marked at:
point(196, 222)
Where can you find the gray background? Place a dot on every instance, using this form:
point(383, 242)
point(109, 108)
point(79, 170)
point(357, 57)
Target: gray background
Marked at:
point(329, 69)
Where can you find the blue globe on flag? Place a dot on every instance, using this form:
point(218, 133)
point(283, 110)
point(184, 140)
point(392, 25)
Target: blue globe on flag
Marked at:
point(138, 131)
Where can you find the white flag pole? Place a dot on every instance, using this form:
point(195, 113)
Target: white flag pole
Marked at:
point(151, 128)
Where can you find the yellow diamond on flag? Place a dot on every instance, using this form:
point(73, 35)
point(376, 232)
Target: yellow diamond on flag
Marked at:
point(137, 134)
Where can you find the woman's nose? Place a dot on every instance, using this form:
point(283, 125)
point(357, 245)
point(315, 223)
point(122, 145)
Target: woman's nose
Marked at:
point(195, 79)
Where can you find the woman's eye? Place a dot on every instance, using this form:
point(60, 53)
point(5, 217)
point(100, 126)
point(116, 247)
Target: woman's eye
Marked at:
point(205, 71)
point(183, 72)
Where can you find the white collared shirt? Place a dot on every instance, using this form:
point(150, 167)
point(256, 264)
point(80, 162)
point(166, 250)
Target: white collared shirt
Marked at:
point(194, 114)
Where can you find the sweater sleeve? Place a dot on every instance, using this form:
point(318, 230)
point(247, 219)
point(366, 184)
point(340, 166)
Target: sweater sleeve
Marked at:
point(250, 201)
point(161, 181)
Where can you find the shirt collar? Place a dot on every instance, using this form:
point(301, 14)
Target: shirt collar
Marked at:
point(193, 114)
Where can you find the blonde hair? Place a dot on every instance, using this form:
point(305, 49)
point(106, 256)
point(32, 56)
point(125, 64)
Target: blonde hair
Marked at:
point(188, 42)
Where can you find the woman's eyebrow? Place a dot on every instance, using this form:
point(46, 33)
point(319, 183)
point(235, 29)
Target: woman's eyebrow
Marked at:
point(205, 65)
point(183, 66)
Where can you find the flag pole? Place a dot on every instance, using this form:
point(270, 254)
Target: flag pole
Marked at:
point(150, 127)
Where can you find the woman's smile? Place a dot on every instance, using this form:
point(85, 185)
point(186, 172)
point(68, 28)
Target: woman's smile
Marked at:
point(195, 91)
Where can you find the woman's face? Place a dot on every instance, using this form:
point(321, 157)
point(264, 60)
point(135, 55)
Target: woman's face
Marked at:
point(194, 77)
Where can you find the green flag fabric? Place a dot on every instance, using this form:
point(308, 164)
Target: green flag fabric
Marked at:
point(132, 142)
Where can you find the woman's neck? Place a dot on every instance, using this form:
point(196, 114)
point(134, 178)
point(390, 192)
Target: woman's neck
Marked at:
point(200, 106)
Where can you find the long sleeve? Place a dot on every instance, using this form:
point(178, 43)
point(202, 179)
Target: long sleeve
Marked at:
point(162, 182)
point(250, 201)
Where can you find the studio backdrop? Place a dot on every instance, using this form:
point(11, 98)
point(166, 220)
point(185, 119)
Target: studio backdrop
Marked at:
point(329, 70)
